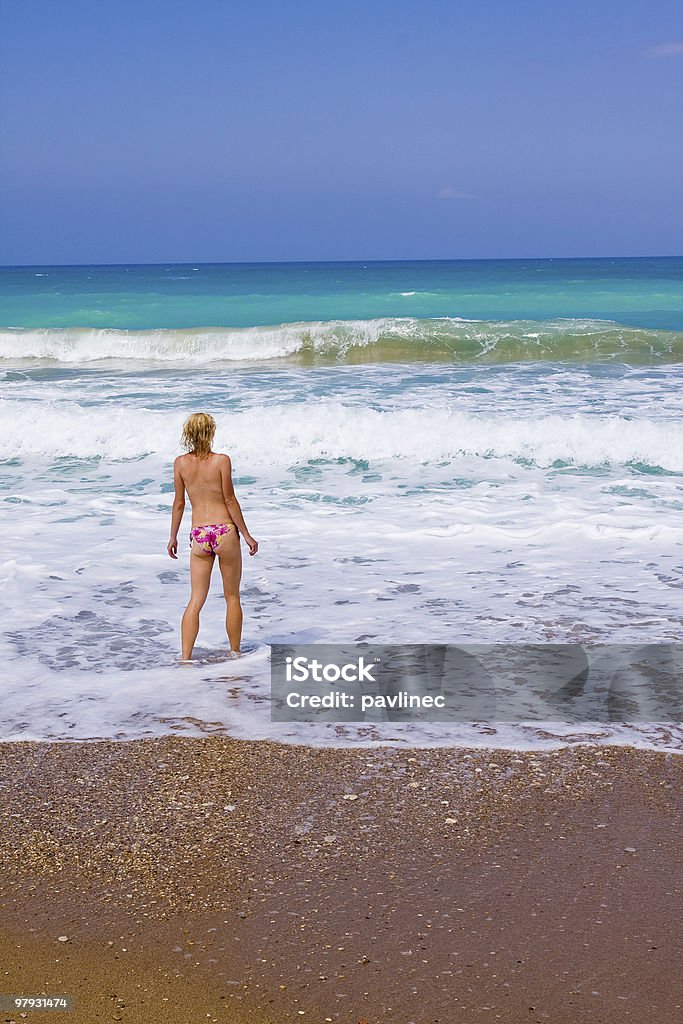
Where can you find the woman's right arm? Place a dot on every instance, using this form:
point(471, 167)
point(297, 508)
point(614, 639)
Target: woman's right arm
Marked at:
point(178, 509)
point(233, 504)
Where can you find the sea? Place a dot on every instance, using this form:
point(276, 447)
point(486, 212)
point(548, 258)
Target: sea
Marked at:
point(451, 452)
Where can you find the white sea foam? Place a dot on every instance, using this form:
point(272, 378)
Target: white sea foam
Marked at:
point(91, 614)
point(82, 345)
point(300, 432)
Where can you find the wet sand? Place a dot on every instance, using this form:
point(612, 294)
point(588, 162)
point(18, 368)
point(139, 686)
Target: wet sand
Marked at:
point(213, 879)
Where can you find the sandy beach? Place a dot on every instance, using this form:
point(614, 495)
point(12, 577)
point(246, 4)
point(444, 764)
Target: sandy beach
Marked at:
point(212, 879)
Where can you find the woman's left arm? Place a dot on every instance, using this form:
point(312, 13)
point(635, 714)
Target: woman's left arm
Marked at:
point(178, 509)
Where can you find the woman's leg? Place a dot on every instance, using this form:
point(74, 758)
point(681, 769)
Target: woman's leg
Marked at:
point(200, 577)
point(230, 562)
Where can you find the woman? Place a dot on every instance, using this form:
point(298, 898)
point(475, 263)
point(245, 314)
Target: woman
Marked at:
point(216, 520)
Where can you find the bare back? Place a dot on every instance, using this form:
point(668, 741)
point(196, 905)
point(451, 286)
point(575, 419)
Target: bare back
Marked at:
point(203, 480)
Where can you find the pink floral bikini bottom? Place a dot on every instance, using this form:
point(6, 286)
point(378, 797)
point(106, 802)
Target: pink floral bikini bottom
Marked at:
point(208, 537)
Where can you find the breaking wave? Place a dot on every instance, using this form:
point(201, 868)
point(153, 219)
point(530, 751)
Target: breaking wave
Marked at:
point(379, 340)
point(278, 437)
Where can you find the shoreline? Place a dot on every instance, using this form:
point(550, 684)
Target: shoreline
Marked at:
point(242, 880)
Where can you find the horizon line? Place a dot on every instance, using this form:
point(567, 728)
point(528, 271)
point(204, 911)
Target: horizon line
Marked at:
point(265, 262)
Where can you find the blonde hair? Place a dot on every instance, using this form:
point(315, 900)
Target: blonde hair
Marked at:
point(198, 434)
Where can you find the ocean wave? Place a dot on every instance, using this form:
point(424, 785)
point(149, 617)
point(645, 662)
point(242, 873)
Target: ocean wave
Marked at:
point(378, 340)
point(275, 438)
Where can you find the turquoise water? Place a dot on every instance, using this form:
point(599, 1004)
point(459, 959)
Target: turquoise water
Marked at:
point(638, 292)
point(466, 451)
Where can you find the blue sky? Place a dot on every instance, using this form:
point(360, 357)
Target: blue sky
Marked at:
point(163, 131)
